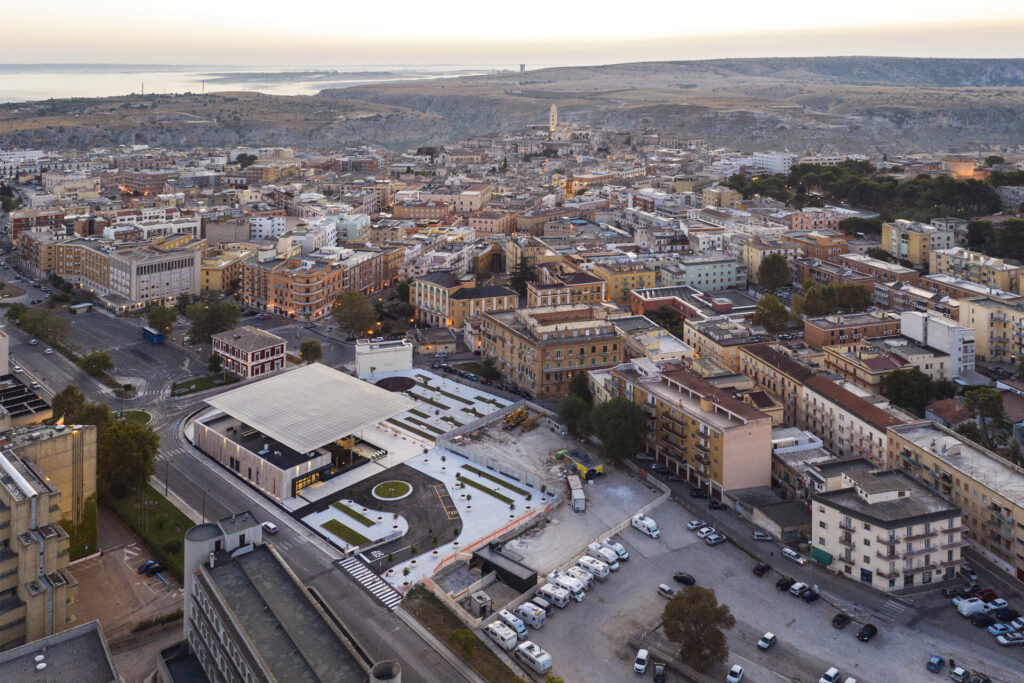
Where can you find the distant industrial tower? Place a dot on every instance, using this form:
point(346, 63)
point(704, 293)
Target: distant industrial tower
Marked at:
point(522, 68)
point(553, 118)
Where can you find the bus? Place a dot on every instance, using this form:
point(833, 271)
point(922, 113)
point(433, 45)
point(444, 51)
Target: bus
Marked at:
point(153, 335)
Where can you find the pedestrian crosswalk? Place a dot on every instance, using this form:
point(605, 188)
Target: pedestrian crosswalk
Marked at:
point(893, 606)
point(371, 582)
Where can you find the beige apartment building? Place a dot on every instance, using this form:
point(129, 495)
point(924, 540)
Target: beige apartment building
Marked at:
point(998, 328)
point(975, 267)
point(755, 251)
point(847, 424)
point(716, 442)
point(778, 374)
point(883, 528)
point(38, 595)
point(719, 339)
point(988, 488)
point(221, 269)
point(540, 349)
point(914, 241)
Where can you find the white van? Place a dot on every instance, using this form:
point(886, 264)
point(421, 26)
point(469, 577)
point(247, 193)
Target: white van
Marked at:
point(514, 623)
point(533, 616)
point(559, 597)
point(501, 634)
point(794, 556)
point(534, 657)
point(570, 584)
point(646, 525)
point(548, 608)
point(616, 548)
point(581, 575)
point(595, 568)
point(971, 606)
point(606, 555)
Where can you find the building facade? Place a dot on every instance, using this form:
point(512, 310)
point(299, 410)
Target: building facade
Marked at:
point(915, 241)
point(249, 352)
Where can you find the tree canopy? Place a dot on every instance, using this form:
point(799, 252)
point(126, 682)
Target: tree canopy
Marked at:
point(771, 313)
point(1005, 240)
point(912, 390)
point(310, 351)
point(621, 425)
point(774, 272)
point(695, 620)
point(209, 317)
point(818, 300)
point(161, 317)
point(572, 411)
point(96, 363)
point(986, 404)
point(580, 386)
point(355, 314)
point(44, 325)
point(522, 273)
point(125, 457)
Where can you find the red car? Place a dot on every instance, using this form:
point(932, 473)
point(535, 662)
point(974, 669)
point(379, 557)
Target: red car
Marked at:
point(986, 594)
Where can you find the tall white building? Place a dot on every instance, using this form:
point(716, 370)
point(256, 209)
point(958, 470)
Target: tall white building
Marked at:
point(775, 162)
point(943, 334)
point(266, 227)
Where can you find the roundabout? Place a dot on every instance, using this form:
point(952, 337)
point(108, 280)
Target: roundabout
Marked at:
point(391, 490)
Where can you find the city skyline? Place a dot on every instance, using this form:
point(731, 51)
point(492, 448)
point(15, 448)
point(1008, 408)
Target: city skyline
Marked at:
point(235, 33)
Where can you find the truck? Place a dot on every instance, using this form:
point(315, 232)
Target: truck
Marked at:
point(576, 495)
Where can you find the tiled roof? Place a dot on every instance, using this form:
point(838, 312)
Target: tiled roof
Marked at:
point(851, 402)
point(777, 359)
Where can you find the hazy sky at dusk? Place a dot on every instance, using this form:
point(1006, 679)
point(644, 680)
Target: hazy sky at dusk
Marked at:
point(457, 31)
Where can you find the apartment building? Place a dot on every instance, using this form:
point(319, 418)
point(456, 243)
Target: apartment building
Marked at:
point(146, 181)
point(942, 334)
point(555, 287)
point(775, 162)
point(826, 274)
point(716, 442)
point(881, 271)
point(540, 349)
point(818, 245)
point(719, 197)
point(493, 222)
point(883, 528)
point(998, 328)
point(719, 339)
point(915, 241)
point(815, 218)
point(443, 300)
point(249, 618)
point(623, 275)
point(709, 272)
point(842, 329)
point(754, 252)
point(420, 210)
point(43, 220)
point(221, 269)
point(958, 288)
point(848, 424)
point(37, 252)
point(988, 488)
point(900, 296)
point(248, 351)
point(975, 267)
point(38, 594)
point(778, 374)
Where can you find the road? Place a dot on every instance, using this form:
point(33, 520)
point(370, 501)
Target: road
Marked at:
point(204, 490)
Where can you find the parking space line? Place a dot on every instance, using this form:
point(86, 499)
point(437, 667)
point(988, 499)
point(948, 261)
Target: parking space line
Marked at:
point(450, 510)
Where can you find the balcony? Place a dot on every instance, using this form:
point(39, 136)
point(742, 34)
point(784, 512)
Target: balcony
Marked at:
point(846, 541)
point(847, 526)
point(921, 551)
point(926, 534)
point(888, 557)
point(954, 544)
point(703, 459)
point(887, 540)
point(887, 575)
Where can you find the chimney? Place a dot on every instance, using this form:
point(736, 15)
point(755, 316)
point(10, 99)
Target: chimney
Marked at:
point(212, 560)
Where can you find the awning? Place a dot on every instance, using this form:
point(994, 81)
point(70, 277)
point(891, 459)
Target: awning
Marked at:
point(821, 557)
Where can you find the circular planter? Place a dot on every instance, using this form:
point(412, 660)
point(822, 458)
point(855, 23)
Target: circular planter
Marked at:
point(392, 490)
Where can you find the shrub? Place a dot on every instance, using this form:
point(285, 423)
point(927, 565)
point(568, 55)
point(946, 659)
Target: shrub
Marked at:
point(173, 546)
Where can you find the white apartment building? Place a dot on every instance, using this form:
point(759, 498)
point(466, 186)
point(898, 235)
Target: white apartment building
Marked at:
point(708, 271)
point(775, 162)
point(266, 227)
point(943, 334)
point(883, 528)
point(379, 355)
point(353, 226)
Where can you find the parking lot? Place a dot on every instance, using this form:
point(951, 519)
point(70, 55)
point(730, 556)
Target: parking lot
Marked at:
point(596, 640)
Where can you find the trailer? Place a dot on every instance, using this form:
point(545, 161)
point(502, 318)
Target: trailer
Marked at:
point(576, 494)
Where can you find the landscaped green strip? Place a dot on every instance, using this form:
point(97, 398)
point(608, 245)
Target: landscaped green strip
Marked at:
point(350, 536)
point(486, 490)
point(454, 397)
point(365, 521)
point(424, 399)
point(492, 401)
point(452, 420)
point(496, 480)
point(423, 379)
point(472, 411)
point(201, 384)
point(409, 428)
point(161, 525)
point(425, 425)
point(418, 413)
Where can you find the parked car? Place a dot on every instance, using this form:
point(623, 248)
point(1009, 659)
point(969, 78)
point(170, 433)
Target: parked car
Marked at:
point(1006, 614)
point(830, 676)
point(642, 659)
point(16, 368)
point(997, 604)
point(1018, 624)
point(840, 620)
point(1010, 639)
point(146, 565)
point(986, 595)
point(269, 528)
point(684, 578)
point(761, 536)
point(696, 524)
point(698, 493)
point(715, 505)
point(642, 456)
point(705, 531)
point(716, 539)
point(660, 469)
point(735, 674)
point(798, 589)
point(867, 632)
point(154, 569)
point(810, 596)
point(935, 664)
point(767, 640)
point(967, 571)
point(784, 583)
point(48, 351)
point(761, 568)
point(794, 556)
point(983, 620)
point(33, 342)
point(959, 674)
point(674, 477)
point(999, 629)
point(36, 385)
point(665, 591)
point(659, 672)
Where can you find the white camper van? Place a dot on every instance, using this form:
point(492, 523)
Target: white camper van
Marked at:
point(606, 555)
point(533, 616)
point(646, 525)
point(514, 623)
point(595, 568)
point(570, 584)
point(584, 577)
point(537, 659)
point(501, 634)
point(559, 597)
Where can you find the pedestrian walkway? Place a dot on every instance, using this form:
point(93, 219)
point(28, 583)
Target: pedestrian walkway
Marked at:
point(371, 582)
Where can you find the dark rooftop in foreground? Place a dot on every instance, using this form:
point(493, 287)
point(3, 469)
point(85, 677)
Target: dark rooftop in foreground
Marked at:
point(78, 654)
point(291, 636)
point(919, 504)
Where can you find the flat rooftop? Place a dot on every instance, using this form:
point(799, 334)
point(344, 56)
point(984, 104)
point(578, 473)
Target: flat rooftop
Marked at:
point(292, 638)
point(77, 654)
point(304, 409)
point(919, 505)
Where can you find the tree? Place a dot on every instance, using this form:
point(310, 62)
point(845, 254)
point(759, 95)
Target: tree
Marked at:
point(621, 426)
point(464, 640)
point(210, 317)
point(488, 369)
point(355, 313)
point(310, 351)
point(216, 363)
point(161, 317)
point(522, 273)
point(773, 272)
point(579, 385)
point(97, 363)
point(910, 389)
point(695, 620)
point(46, 326)
point(245, 160)
point(183, 302)
point(16, 311)
point(573, 412)
point(125, 457)
point(68, 403)
point(987, 406)
point(993, 160)
point(402, 290)
point(771, 313)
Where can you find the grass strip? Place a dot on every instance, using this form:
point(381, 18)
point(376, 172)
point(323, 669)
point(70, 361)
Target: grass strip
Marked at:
point(425, 399)
point(496, 480)
point(440, 621)
point(409, 428)
point(346, 534)
point(454, 397)
point(452, 421)
point(201, 384)
point(500, 496)
point(158, 522)
point(492, 401)
point(425, 425)
point(472, 411)
point(418, 413)
point(341, 507)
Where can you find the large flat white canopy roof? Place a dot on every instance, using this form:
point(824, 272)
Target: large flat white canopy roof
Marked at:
point(311, 406)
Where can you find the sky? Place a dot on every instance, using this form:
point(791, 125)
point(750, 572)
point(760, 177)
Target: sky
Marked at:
point(333, 32)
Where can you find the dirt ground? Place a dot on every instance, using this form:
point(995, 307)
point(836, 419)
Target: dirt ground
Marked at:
point(528, 451)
